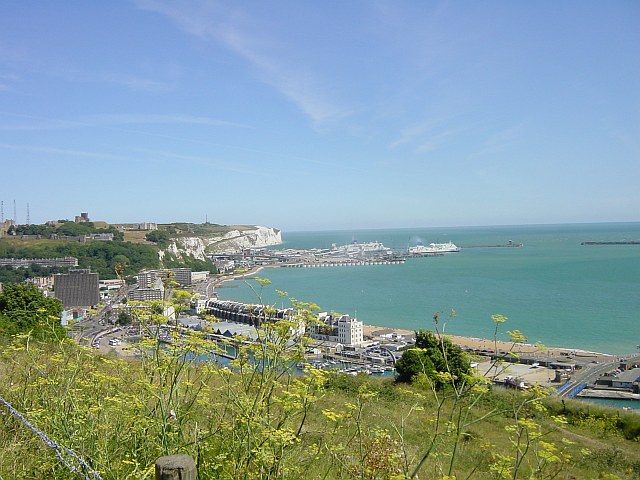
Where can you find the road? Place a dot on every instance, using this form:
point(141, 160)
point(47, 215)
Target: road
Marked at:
point(590, 374)
point(85, 330)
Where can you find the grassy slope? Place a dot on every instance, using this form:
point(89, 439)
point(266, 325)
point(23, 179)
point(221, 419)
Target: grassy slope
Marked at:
point(108, 411)
point(136, 236)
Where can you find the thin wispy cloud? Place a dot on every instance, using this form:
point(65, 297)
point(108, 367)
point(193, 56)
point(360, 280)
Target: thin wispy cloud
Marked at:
point(130, 81)
point(6, 81)
point(426, 136)
point(210, 162)
point(64, 151)
point(115, 121)
point(210, 20)
point(112, 120)
point(158, 119)
point(297, 85)
point(142, 156)
point(499, 141)
point(436, 141)
point(194, 17)
point(370, 100)
point(30, 65)
point(138, 84)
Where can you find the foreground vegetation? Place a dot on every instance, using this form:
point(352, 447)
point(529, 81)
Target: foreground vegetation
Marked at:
point(120, 416)
point(23, 309)
point(67, 412)
point(258, 420)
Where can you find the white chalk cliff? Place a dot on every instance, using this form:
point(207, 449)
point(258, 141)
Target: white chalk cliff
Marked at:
point(232, 241)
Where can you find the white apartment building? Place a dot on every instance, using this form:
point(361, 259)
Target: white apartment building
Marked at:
point(343, 329)
point(199, 305)
point(350, 331)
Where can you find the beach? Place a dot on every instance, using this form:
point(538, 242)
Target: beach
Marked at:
point(493, 345)
point(531, 374)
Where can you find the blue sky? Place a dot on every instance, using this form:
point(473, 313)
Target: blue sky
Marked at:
point(321, 115)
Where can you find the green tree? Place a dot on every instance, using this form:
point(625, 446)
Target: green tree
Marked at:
point(160, 237)
point(24, 309)
point(124, 318)
point(432, 355)
point(73, 229)
point(414, 361)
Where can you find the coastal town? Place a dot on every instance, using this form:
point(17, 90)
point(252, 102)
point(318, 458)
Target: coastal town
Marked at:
point(94, 309)
point(385, 240)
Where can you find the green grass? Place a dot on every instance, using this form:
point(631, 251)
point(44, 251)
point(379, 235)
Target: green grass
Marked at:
point(121, 415)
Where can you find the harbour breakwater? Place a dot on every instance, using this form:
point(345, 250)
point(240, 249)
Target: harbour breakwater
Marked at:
point(501, 245)
point(610, 243)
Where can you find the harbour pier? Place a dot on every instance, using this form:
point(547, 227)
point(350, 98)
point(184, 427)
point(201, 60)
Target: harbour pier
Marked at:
point(509, 244)
point(610, 243)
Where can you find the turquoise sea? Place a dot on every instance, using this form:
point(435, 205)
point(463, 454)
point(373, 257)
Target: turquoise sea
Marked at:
point(553, 289)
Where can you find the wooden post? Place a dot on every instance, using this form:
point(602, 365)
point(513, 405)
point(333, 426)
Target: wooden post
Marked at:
point(176, 467)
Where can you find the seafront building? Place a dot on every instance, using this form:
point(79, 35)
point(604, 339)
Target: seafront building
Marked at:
point(341, 329)
point(337, 329)
point(44, 284)
point(349, 331)
point(254, 315)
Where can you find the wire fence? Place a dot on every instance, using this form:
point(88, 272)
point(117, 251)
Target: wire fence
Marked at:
point(67, 456)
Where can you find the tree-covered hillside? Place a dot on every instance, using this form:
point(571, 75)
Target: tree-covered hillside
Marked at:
point(101, 257)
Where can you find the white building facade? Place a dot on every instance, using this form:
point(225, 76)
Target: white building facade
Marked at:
point(350, 331)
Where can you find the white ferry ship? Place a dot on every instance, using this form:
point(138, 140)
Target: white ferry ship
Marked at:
point(434, 249)
point(355, 249)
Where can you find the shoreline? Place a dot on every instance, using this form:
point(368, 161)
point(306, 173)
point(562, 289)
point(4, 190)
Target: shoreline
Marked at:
point(463, 340)
point(238, 276)
point(503, 345)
